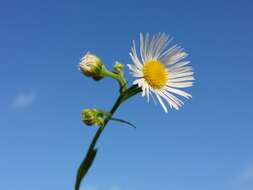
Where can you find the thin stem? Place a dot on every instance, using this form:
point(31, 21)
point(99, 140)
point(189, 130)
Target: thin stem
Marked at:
point(120, 100)
point(119, 77)
point(100, 129)
point(91, 153)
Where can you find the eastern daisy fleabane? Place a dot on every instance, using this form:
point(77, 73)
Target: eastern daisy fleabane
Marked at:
point(161, 71)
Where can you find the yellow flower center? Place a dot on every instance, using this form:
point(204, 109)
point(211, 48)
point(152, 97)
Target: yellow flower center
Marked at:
point(155, 73)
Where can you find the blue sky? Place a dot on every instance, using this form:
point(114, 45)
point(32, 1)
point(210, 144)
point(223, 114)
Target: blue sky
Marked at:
point(206, 145)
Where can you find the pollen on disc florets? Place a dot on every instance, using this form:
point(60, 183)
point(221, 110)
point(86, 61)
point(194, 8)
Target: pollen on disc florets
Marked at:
point(155, 73)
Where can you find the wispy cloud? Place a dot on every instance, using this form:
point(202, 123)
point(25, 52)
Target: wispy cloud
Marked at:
point(244, 181)
point(23, 100)
point(246, 176)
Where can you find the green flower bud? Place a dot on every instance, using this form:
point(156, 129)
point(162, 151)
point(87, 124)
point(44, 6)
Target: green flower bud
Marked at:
point(93, 117)
point(88, 117)
point(91, 66)
point(118, 67)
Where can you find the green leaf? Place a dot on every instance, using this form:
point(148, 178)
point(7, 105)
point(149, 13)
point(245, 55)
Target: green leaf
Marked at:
point(123, 121)
point(84, 167)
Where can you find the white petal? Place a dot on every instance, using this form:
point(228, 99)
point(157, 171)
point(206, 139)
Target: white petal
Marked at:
point(150, 48)
point(161, 102)
point(161, 43)
point(146, 88)
point(180, 70)
point(182, 79)
point(151, 93)
point(135, 71)
point(179, 92)
point(167, 54)
point(139, 82)
point(171, 100)
point(146, 45)
point(174, 99)
point(174, 75)
point(177, 57)
point(135, 61)
point(134, 56)
point(180, 84)
point(142, 48)
point(180, 64)
point(143, 90)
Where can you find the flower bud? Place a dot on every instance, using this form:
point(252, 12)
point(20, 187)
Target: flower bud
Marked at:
point(118, 67)
point(88, 117)
point(91, 66)
point(93, 117)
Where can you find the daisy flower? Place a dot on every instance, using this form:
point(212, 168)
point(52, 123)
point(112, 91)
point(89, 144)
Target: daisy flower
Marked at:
point(160, 71)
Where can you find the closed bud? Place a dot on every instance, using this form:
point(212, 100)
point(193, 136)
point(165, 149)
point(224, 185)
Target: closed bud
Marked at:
point(91, 66)
point(88, 117)
point(93, 117)
point(118, 67)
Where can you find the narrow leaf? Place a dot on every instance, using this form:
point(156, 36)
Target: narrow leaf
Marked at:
point(84, 167)
point(123, 121)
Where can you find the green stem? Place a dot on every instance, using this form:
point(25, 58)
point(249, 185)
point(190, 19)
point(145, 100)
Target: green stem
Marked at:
point(91, 153)
point(120, 100)
point(100, 129)
point(119, 77)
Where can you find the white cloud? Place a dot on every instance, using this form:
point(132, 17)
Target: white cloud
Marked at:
point(23, 100)
point(243, 181)
point(246, 176)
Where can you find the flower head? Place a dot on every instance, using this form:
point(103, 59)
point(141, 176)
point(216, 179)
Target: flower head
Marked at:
point(91, 66)
point(160, 70)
